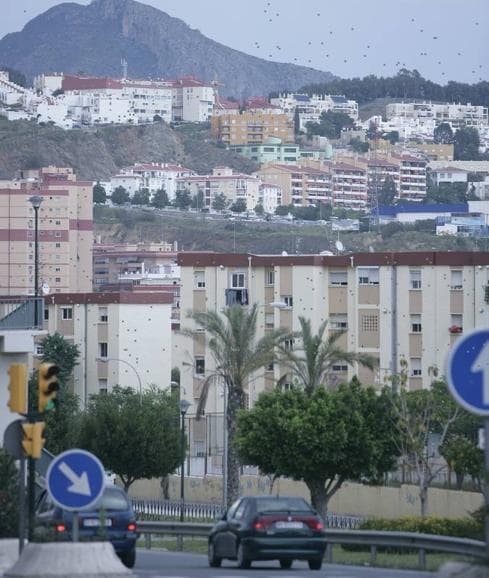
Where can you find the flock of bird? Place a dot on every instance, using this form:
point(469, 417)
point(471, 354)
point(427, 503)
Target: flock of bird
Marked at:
point(271, 14)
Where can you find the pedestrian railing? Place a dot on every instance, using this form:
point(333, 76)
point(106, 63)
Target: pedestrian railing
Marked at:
point(192, 511)
point(371, 538)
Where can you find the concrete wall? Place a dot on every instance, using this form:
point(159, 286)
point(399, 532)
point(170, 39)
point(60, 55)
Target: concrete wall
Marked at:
point(356, 499)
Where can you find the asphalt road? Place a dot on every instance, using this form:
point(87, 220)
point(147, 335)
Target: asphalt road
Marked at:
point(160, 564)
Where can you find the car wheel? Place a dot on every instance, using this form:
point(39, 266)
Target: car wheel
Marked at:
point(315, 563)
point(214, 561)
point(285, 564)
point(242, 557)
point(129, 558)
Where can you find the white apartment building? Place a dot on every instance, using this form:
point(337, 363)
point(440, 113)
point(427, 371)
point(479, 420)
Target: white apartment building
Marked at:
point(412, 181)
point(192, 100)
point(349, 184)
point(457, 115)
point(448, 175)
point(309, 108)
point(10, 93)
point(269, 197)
point(224, 181)
point(123, 338)
point(397, 307)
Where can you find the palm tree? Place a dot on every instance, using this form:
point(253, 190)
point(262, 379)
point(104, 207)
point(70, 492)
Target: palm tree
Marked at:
point(319, 354)
point(231, 338)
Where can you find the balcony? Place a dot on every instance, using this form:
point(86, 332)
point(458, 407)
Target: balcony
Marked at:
point(236, 297)
point(21, 313)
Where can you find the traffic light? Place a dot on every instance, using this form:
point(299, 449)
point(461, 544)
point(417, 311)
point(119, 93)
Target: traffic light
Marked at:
point(33, 441)
point(18, 385)
point(48, 385)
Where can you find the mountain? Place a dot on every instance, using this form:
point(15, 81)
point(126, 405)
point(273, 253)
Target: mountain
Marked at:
point(72, 38)
point(99, 153)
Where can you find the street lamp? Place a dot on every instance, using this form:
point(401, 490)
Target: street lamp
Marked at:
point(183, 404)
point(107, 359)
point(35, 201)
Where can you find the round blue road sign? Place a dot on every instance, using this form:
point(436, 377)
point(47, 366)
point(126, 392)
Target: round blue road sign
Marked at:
point(468, 371)
point(75, 480)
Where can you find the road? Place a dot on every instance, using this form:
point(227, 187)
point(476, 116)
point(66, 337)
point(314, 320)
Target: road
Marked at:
point(159, 564)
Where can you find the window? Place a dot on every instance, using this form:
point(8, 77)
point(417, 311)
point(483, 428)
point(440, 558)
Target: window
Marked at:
point(199, 279)
point(103, 314)
point(199, 366)
point(270, 366)
point(338, 278)
point(339, 367)
point(236, 297)
point(237, 280)
point(289, 344)
point(288, 300)
point(67, 313)
point(415, 279)
point(57, 279)
point(102, 385)
point(39, 350)
point(415, 321)
point(456, 281)
point(103, 349)
point(57, 245)
point(370, 323)
point(269, 319)
point(456, 323)
point(368, 275)
point(46, 314)
point(338, 321)
point(416, 367)
point(270, 277)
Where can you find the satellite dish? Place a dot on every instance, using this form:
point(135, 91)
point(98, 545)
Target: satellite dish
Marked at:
point(339, 246)
point(371, 249)
point(284, 253)
point(45, 289)
point(326, 253)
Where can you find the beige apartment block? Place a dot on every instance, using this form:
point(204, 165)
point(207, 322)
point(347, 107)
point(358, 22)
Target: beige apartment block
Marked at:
point(65, 232)
point(397, 307)
point(123, 338)
point(252, 127)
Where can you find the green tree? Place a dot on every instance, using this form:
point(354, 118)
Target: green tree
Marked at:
point(62, 422)
point(220, 202)
point(120, 196)
point(259, 210)
point(323, 439)
point(387, 192)
point(392, 136)
point(464, 458)
point(99, 194)
point(443, 134)
point(239, 206)
point(238, 355)
point(182, 200)
point(141, 197)
point(198, 201)
point(311, 363)
point(359, 146)
point(330, 124)
point(466, 144)
point(447, 193)
point(9, 496)
point(134, 438)
point(160, 199)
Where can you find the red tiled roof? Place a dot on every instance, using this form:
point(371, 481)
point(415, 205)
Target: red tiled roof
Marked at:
point(89, 83)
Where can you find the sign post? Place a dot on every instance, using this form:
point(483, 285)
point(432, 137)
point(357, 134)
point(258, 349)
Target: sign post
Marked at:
point(75, 481)
point(468, 382)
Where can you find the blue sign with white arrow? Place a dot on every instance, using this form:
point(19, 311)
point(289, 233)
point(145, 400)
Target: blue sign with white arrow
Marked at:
point(75, 480)
point(468, 371)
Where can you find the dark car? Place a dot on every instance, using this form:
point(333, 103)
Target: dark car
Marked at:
point(111, 518)
point(268, 528)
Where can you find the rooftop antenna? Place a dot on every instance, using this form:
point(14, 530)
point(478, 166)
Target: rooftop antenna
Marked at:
point(124, 68)
point(339, 246)
point(215, 85)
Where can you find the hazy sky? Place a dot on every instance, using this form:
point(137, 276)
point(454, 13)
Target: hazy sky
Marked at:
point(443, 39)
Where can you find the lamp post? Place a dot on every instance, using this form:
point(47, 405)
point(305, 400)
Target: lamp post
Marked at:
point(183, 404)
point(35, 201)
point(107, 359)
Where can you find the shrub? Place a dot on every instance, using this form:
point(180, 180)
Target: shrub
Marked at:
point(456, 527)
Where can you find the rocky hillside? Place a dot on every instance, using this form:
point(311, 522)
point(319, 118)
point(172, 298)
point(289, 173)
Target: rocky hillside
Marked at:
point(93, 39)
point(99, 153)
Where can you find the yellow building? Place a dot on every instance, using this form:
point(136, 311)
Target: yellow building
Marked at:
point(252, 127)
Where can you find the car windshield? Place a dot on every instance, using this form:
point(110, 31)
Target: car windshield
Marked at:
point(113, 499)
point(282, 505)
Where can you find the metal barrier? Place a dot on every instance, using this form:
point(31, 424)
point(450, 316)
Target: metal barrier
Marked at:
point(373, 539)
point(21, 313)
point(207, 511)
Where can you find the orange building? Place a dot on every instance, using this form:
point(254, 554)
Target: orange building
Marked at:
point(252, 127)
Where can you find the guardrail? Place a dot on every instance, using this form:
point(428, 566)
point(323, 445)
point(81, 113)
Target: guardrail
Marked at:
point(373, 539)
point(200, 510)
